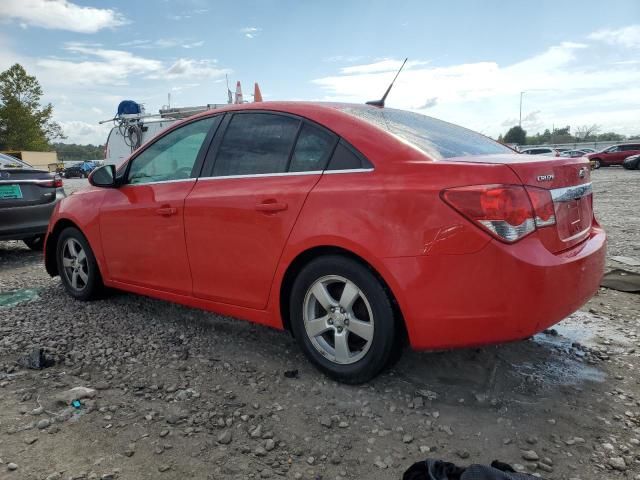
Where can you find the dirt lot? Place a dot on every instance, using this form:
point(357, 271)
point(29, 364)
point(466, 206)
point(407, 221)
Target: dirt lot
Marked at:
point(182, 393)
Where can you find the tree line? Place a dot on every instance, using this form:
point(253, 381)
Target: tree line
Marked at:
point(586, 133)
point(73, 151)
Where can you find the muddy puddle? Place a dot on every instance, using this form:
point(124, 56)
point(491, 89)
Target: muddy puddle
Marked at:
point(547, 361)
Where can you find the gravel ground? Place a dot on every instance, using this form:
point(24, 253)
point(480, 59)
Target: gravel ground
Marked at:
point(180, 393)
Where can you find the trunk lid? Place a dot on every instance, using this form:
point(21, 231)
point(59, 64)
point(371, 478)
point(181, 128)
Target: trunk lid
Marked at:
point(568, 181)
point(25, 186)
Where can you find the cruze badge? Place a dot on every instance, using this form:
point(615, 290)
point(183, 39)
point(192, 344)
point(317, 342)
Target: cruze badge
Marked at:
point(545, 178)
point(582, 172)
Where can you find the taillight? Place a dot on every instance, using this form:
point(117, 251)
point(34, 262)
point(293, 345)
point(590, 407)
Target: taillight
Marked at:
point(508, 212)
point(55, 182)
point(542, 206)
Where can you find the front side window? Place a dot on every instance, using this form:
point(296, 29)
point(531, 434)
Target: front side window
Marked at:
point(256, 143)
point(312, 150)
point(172, 156)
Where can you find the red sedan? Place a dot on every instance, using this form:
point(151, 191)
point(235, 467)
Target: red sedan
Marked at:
point(352, 226)
point(614, 155)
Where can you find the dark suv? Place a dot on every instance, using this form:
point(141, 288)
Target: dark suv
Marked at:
point(613, 155)
point(27, 198)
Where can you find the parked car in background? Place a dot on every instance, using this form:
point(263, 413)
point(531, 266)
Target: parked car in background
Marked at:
point(81, 169)
point(541, 151)
point(588, 150)
point(349, 225)
point(613, 155)
point(573, 153)
point(632, 162)
point(27, 198)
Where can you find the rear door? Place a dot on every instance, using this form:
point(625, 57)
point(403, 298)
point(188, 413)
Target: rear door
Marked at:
point(239, 215)
point(142, 222)
point(629, 150)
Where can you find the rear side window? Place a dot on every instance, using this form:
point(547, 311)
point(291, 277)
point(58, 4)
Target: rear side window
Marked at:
point(313, 149)
point(436, 138)
point(256, 143)
point(346, 158)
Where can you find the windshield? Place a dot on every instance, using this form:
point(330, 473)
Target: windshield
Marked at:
point(436, 138)
point(7, 161)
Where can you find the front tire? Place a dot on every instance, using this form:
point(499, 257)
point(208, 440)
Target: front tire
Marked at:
point(342, 318)
point(77, 265)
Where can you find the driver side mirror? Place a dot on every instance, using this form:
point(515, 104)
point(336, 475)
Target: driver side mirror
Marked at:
point(104, 177)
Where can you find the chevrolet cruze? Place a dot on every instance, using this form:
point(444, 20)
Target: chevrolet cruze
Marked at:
point(354, 227)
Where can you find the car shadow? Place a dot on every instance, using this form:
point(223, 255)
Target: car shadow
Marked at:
point(14, 254)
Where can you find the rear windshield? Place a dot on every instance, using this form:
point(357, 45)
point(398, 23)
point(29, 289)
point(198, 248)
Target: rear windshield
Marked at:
point(436, 138)
point(7, 161)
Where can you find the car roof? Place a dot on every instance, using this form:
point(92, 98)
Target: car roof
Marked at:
point(363, 135)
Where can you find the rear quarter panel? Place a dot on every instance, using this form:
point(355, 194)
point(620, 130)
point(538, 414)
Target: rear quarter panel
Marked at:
point(392, 213)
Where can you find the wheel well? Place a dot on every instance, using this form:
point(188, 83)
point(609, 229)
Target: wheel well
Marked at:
point(51, 264)
point(307, 256)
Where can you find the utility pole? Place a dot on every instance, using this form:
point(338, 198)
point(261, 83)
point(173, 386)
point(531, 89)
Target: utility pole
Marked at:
point(520, 121)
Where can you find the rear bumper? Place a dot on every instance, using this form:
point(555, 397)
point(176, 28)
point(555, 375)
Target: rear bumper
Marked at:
point(501, 293)
point(18, 223)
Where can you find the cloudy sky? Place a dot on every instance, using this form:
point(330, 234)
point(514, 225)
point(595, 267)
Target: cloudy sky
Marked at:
point(578, 62)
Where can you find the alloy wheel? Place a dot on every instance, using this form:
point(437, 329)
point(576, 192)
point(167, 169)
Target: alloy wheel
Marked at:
point(338, 319)
point(74, 263)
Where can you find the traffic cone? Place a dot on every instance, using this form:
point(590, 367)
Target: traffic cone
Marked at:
point(238, 92)
point(257, 94)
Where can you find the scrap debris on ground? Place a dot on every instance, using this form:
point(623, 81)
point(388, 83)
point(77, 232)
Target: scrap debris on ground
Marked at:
point(133, 388)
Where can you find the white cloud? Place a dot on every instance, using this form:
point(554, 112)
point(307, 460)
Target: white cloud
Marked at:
point(430, 102)
point(162, 43)
point(193, 44)
point(86, 82)
point(559, 83)
point(60, 15)
point(626, 36)
point(186, 67)
point(98, 66)
point(83, 132)
point(385, 65)
point(251, 32)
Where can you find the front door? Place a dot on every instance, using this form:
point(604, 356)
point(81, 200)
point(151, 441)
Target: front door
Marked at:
point(238, 220)
point(142, 222)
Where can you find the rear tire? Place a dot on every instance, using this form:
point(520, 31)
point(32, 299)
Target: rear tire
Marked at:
point(342, 318)
point(77, 265)
point(596, 164)
point(35, 243)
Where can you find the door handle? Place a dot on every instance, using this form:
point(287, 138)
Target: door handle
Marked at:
point(166, 211)
point(271, 207)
